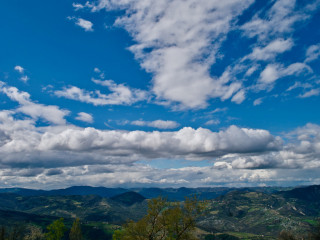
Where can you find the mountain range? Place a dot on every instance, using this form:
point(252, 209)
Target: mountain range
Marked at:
point(244, 213)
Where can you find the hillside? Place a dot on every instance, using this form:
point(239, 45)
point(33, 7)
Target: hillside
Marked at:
point(88, 208)
point(243, 213)
point(129, 198)
point(260, 213)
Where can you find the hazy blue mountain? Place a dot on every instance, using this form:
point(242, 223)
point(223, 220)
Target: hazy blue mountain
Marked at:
point(76, 190)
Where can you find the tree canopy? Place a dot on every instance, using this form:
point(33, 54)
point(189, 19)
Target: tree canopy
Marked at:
point(164, 221)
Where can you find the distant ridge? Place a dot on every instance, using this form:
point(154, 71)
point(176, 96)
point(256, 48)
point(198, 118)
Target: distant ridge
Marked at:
point(172, 194)
point(129, 198)
point(76, 190)
point(309, 193)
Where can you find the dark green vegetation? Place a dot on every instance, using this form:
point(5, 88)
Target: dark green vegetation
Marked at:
point(252, 213)
point(165, 220)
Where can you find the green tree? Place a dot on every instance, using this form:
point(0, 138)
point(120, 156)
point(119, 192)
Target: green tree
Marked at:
point(75, 232)
point(285, 235)
point(56, 230)
point(164, 221)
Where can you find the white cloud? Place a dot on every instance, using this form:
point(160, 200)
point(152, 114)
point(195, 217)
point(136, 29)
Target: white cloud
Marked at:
point(312, 53)
point(278, 20)
point(97, 70)
point(85, 24)
point(251, 70)
point(257, 102)
point(85, 117)
point(73, 146)
point(270, 51)
point(68, 155)
point(160, 124)
point(239, 97)
point(270, 74)
point(24, 78)
point(19, 69)
point(77, 6)
point(311, 93)
point(213, 122)
point(49, 113)
point(120, 94)
point(184, 37)
point(273, 72)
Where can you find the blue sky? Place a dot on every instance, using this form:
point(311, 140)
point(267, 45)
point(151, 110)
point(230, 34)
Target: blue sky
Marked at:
point(159, 93)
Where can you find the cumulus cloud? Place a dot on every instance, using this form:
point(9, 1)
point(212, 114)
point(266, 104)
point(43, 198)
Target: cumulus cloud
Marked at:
point(50, 113)
point(42, 156)
point(91, 156)
point(83, 146)
point(120, 94)
point(302, 153)
point(85, 117)
point(160, 124)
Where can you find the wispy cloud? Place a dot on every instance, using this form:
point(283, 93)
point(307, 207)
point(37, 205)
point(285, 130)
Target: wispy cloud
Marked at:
point(19, 69)
point(160, 124)
point(181, 55)
point(273, 72)
point(50, 113)
point(312, 53)
point(278, 20)
point(85, 24)
point(270, 51)
point(85, 117)
point(182, 49)
point(310, 93)
point(120, 94)
point(213, 122)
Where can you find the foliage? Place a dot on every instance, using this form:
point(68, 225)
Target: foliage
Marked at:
point(35, 234)
point(75, 232)
point(164, 221)
point(285, 235)
point(56, 230)
point(315, 235)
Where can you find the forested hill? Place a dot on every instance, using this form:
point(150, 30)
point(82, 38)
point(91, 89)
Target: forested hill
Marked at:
point(172, 194)
point(246, 213)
